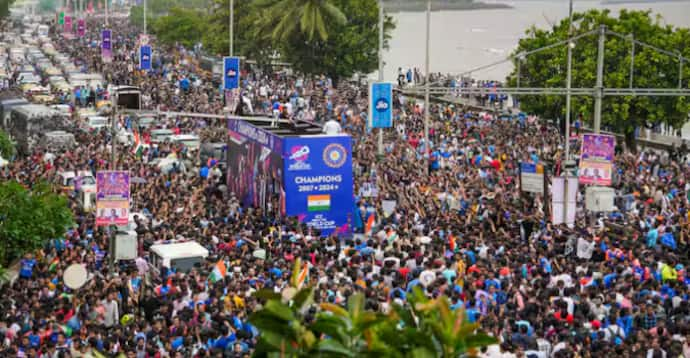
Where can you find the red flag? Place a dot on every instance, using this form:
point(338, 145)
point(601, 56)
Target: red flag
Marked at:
point(451, 242)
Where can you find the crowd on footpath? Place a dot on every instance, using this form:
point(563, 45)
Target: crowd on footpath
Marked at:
point(615, 285)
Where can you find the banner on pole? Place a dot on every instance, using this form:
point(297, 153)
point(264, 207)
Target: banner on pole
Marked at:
point(381, 105)
point(61, 18)
point(112, 198)
point(532, 178)
point(596, 159)
point(81, 27)
point(231, 73)
point(106, 45)
point(145, 58)
point(67, 27)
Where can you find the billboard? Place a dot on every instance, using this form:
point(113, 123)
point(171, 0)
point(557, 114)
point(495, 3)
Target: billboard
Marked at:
point(381, 105)
point(145, 58)
point(532, 178)
point(112, 198)
point(255, 166)
point(596, 159)
point(106, 45)
point(231, 73)
point(318, 180)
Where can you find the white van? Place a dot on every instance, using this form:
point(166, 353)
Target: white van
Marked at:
point(161, 135)
point(191, 141)
point(181, 257)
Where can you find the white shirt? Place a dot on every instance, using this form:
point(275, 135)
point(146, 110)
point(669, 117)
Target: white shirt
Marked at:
point(332, 127)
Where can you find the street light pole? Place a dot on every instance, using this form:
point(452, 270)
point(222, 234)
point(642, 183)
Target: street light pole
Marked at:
point(106, 13)
point(599, 90)
point(680, 70)
point(380, 144)
point(568, 83)
point(426, 90)
point(632, 59)
point(145, 22)
point(232, 25)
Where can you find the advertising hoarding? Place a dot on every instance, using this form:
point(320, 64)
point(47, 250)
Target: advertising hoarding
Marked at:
point(112, 198)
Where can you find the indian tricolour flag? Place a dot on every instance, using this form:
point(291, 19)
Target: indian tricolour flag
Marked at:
point(138, 148)
point(391, 236)
point(219, 271)
point(319, 202)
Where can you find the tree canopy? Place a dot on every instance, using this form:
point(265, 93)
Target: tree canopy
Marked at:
point(29, 218)
point(652, 69)
point(422, 327)
point(183, 26)
point(7, 149)
point(337, 38)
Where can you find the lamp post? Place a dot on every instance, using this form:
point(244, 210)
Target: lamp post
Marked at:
point(427, 148)
point(145, 22)
point(380, 144)
point(231, 26)
point(567, 111)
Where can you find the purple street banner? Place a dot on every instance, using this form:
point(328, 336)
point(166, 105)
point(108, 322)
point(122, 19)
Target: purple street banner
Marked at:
point(598, 147)
point(596, 159)
point(81, 27)
point(112, 198)
point(106, 45)
point(67, 29)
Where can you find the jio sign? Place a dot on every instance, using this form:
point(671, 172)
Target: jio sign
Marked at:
point(380, 108)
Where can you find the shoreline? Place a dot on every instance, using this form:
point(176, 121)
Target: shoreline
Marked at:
point(419, 6)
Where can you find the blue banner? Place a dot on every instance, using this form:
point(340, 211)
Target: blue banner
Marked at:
point(231, 72)
point(318, 181)
point(381, 105)
point(145, 58)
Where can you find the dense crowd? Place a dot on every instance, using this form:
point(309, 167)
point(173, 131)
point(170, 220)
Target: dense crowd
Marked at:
point(614, 285)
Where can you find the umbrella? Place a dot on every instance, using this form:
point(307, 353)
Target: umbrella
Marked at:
point(139, 180)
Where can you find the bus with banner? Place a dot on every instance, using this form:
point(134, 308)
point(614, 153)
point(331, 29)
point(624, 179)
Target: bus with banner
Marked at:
point(292, 171)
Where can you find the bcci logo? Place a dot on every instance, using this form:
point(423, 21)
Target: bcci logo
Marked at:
point(381, 105)
point(334, 155)
point(232, 73)
point(299, 155)
point(145, 57)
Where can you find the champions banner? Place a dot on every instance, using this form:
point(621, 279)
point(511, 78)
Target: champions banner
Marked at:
point(231, 73)
point(145, 58)
point(318, 181)
point(596, 159)
point(112, 198)
point(106, 45)
point(381, 105)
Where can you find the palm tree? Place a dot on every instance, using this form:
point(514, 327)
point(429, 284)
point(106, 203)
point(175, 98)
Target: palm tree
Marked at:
point(283, 18)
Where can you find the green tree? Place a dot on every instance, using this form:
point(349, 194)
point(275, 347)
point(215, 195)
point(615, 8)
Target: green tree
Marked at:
point(5, 8)
point(652, 69)
point(184, 26)
point(421, 328)
point(352, 47)
point(29, 218)
point(310, 18)
point(7, 149)
point(47, 5)
point(430, 328)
